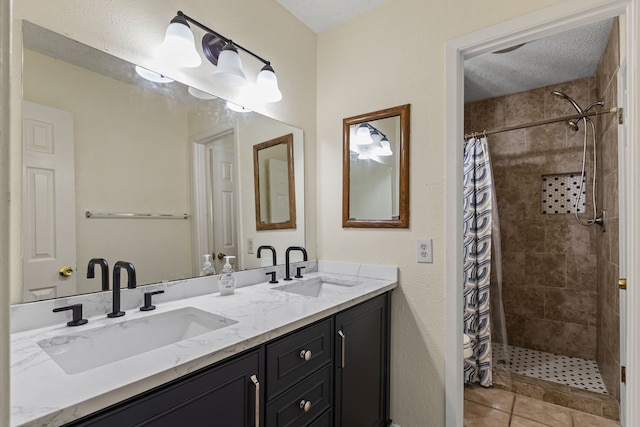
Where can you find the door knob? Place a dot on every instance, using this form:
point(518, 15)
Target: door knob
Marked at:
point(221, 255)
point(66, 271)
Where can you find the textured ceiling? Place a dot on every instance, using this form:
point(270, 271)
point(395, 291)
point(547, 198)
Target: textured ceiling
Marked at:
point(320, 15)
point(565, 56)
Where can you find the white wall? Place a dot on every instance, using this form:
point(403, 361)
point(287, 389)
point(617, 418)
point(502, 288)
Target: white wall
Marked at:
point(405, 41)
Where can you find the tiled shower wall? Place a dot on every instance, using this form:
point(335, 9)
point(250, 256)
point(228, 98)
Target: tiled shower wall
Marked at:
point(549, 262)
point(608, 343)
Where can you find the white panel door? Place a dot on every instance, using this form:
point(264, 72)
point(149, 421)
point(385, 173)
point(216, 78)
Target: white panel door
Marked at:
point(278, 191)
point(48, 223)
point(223, 193)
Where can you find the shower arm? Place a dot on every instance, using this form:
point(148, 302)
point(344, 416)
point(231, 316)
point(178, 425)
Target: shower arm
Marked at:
point(540, 122)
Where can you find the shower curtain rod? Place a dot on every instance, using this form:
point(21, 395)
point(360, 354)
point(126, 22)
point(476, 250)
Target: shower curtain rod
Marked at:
point(539, 123)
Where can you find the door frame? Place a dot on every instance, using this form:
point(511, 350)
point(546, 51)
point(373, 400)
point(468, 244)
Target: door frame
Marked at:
point(560, 17)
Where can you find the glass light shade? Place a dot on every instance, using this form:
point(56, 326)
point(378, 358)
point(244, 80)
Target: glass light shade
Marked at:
point(267, 85)
point(229, 71)
point(179, 46)
point(363, 136)
point(151, 75)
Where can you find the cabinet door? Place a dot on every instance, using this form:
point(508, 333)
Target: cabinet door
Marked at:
point(362, 365)
point(224, 395)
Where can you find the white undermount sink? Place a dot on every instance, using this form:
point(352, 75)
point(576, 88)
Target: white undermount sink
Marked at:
point(80, 351)
point(317, 286)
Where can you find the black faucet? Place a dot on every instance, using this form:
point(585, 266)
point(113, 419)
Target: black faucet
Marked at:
point(273, 252)
point(131, 284)
point(289, 249)
point(105, 271)
point(77, 314)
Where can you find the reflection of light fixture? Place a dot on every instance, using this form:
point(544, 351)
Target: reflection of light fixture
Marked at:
point(237, 108)
point(384, 149)
point(179, 48)
point(197, 93)
point(363, 135)
point(369, 141)
point(151, 75)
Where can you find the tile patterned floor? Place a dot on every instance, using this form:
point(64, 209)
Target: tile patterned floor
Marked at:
point(488, 407)
point(571, 371)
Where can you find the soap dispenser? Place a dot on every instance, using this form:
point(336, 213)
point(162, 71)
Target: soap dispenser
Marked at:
point(207, 267)
point(227, 278)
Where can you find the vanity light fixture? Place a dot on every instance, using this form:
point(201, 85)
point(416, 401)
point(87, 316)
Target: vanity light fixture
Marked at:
point(178, 47)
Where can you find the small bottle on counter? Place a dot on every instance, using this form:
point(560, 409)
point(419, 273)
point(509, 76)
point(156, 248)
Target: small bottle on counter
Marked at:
point(207, 267)
point(227, 281)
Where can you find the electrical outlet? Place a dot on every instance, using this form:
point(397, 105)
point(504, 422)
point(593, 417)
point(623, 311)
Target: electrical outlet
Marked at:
point(425, 250)
point(249, 245)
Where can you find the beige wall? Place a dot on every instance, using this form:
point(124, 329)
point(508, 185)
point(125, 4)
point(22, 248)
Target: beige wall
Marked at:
point(5, 248)
point(404, 41)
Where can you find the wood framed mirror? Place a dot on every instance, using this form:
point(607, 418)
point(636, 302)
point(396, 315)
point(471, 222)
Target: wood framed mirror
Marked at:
point(274, 184)
point(375, 180)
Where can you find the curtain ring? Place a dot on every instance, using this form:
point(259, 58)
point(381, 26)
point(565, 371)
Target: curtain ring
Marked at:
point(484, 133)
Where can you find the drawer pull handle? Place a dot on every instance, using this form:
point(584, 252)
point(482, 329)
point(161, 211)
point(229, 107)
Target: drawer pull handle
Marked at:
point(343, 338)
point(257, 411)
point(305, 355)
point(305, 405)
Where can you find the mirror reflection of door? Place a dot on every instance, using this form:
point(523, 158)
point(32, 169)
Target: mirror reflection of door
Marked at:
point(216, 198)
point(274, 184)
point(278, 190)
point(49, 203)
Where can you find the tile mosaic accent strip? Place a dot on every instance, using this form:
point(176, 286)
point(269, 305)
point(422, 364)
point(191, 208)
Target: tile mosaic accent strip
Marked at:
point(571, 371)
point(559, 193)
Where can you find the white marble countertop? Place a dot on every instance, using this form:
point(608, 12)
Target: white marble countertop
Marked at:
point(42, 394)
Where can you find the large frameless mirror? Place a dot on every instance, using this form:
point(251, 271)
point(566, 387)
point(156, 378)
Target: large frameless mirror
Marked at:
point(376, 169)
point(157, 174)
point(274, 184)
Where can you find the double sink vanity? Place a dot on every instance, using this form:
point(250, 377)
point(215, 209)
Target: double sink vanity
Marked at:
point(308, 352)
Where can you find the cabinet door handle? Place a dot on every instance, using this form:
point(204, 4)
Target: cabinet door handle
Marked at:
point(305, 405)
point(305, 355)
point(344, 347)
point(257, 411)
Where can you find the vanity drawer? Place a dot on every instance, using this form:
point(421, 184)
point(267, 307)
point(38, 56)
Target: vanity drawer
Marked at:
point(286, 362)
point(314, 394)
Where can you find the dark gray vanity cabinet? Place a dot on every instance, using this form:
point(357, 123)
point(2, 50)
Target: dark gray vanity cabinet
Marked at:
point(299, 376)
point(334, 372)
point(362, 365)
point(224, 395)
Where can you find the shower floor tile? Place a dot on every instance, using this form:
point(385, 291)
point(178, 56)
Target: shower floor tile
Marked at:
point(571, 371)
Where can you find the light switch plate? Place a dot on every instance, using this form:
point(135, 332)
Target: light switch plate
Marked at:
point(425, 250)
point(249, 245)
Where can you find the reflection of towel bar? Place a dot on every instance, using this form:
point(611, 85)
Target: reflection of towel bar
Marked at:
point(90, 214)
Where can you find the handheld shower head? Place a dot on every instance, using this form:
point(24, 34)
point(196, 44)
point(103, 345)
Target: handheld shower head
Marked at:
point(568, 98)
